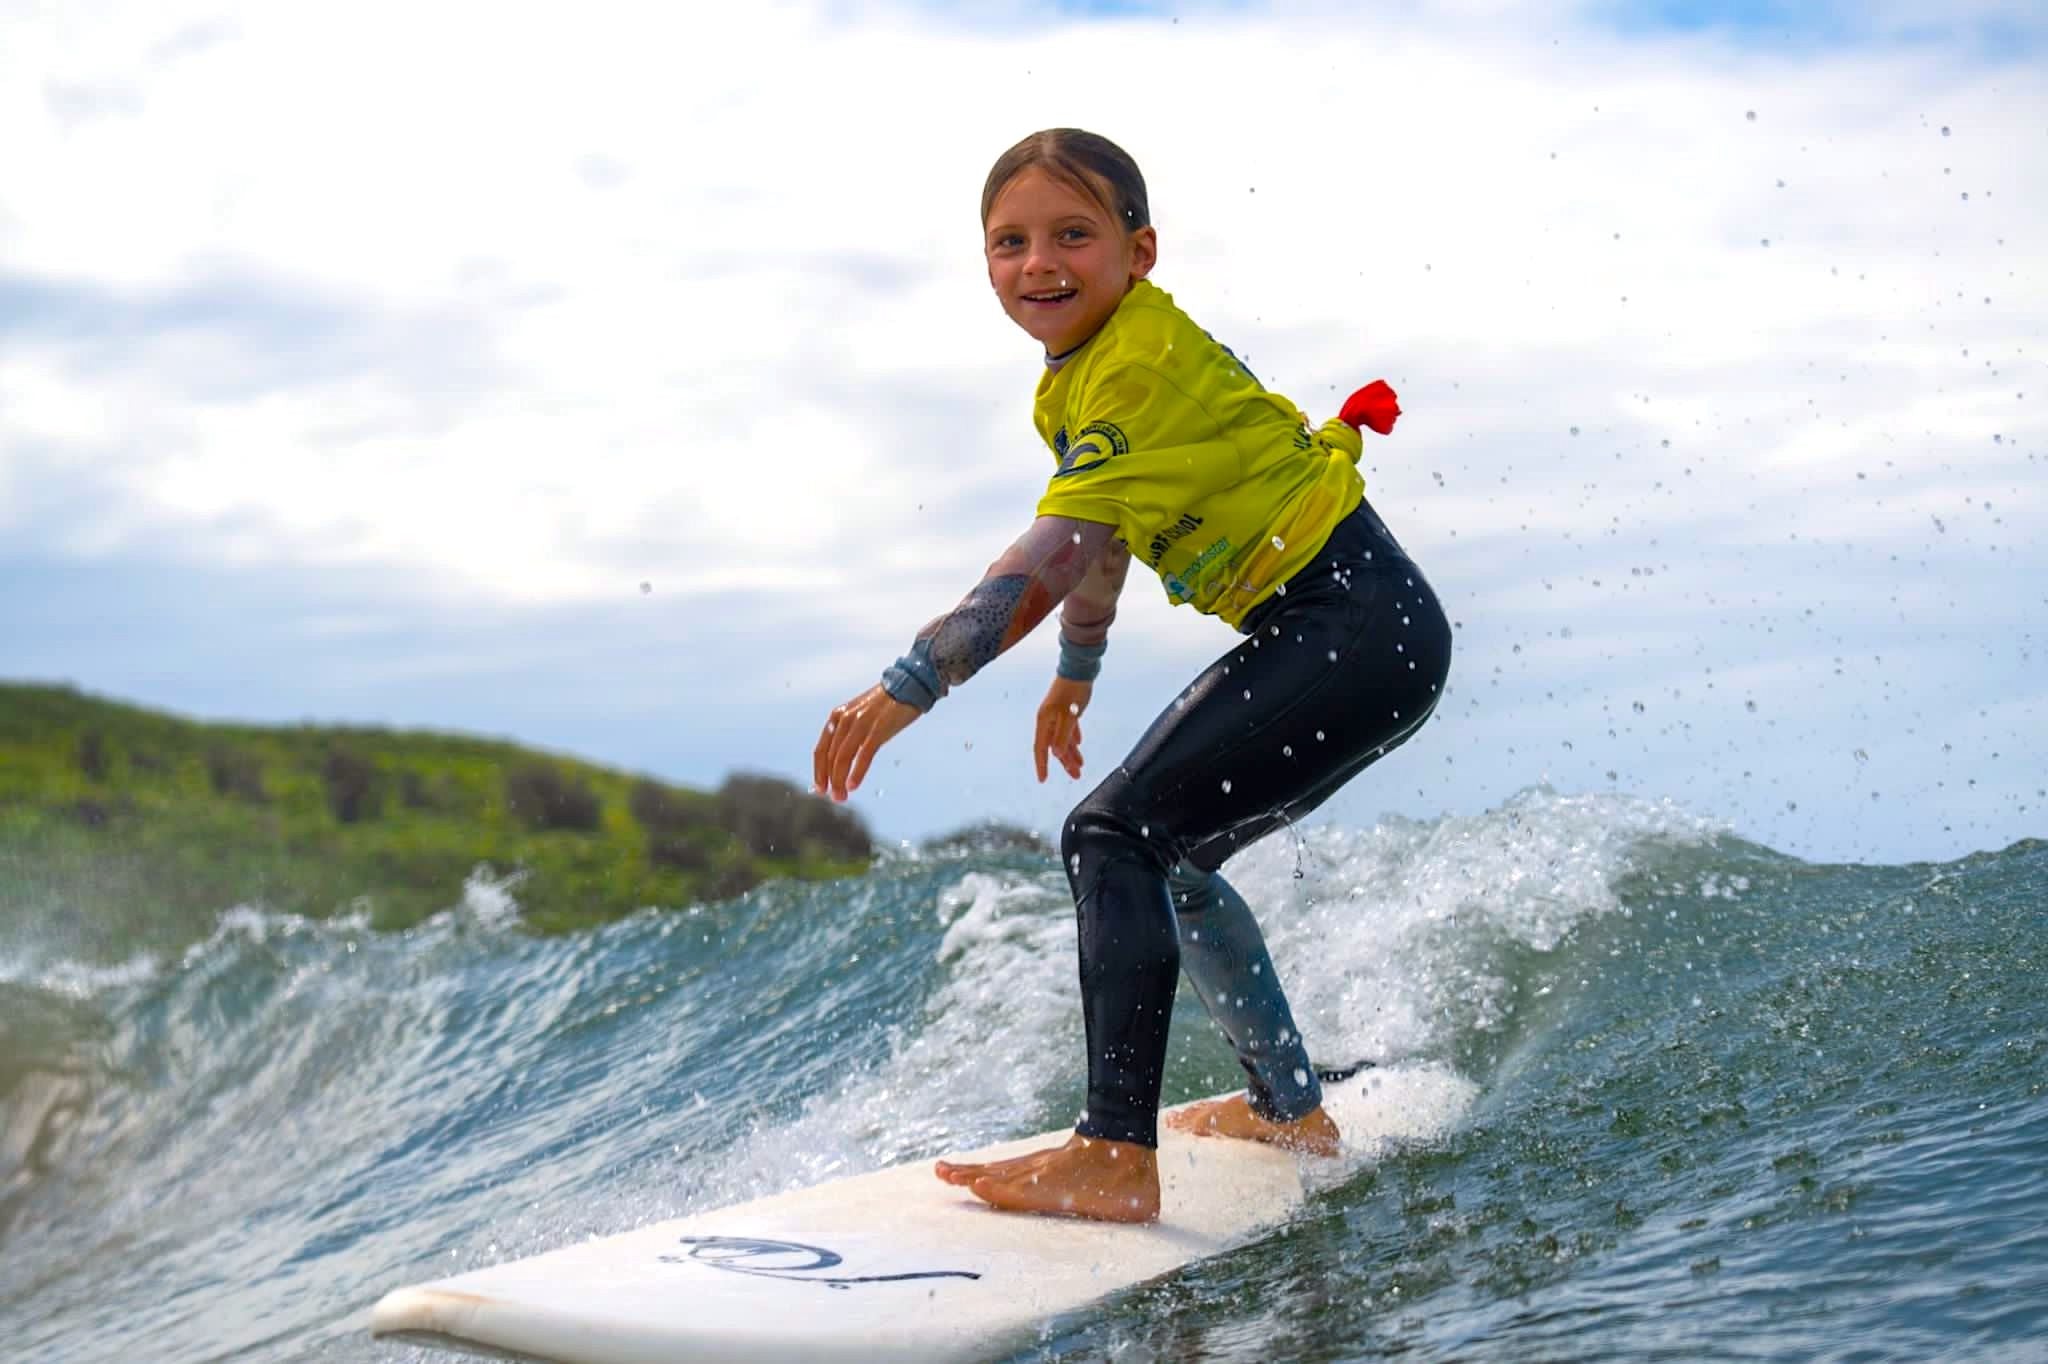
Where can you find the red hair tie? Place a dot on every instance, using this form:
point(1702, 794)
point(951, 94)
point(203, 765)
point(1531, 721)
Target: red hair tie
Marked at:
point(1373, 406)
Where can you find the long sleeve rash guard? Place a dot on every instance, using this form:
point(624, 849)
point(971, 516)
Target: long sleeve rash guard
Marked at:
point(1045, 565)
point(1164, 443)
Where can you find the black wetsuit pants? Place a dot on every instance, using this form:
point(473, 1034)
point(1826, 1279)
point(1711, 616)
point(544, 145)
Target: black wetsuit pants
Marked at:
point(1335, 671)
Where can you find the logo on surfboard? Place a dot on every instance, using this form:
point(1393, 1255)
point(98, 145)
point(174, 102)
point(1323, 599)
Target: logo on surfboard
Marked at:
point(791, 1260)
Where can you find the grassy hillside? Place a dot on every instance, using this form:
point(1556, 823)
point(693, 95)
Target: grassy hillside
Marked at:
point(114, 815)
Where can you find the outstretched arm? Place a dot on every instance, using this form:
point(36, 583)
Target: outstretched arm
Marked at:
point(1019, 590)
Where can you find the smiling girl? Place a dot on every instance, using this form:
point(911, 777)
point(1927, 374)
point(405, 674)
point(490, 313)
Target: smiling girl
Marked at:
point(1167, 448)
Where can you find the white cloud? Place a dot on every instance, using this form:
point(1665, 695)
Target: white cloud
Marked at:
point(534, 306)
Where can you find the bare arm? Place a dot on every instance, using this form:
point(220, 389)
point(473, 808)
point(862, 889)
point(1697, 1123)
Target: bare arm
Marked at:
point(1019, 590)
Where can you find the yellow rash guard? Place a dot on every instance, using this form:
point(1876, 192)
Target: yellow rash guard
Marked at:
point(1216, 484)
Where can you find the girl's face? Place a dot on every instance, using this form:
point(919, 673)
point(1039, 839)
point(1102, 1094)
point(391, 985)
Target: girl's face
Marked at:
point(1057, 261)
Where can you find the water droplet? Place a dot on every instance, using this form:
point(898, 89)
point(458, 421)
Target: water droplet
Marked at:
point(1638, 707)
point(1278, 543)
point(1575, 430)
point(1301, 1077)
point(1751, 116)
point(1287, 750)
point(1247, 693)
point(645, 588)
point(1749, 705)
point(1319, 736)
point(1944, 130)
point(1226, 786)
point(1333, 655)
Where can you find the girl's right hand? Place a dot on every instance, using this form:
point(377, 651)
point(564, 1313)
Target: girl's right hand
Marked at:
point(853, 734)
point(1059, 725)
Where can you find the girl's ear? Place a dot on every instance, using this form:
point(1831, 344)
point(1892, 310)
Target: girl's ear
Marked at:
point(1144, 252)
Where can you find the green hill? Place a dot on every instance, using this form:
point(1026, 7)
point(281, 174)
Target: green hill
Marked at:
point(122, 821)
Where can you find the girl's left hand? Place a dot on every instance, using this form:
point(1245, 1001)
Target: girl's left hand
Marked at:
point(853, 733)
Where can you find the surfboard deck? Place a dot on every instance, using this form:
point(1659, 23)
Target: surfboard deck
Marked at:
point(890, 1264)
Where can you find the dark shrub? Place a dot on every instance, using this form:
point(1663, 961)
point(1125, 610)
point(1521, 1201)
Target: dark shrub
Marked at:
point(543, 797)
point(235, 773)
point(662, 810)
point(352, 787)
point(92, 755)
point(833, 831)
point(775, 819)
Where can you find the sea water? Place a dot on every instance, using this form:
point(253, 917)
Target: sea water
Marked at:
point(1723, 1103)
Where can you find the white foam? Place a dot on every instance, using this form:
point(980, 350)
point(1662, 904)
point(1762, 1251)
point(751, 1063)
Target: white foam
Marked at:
point(1002, 1030)
point(1387, 1109)
point(488, 899)
point(1389, 945)
point(1391, 939)
point(77, 979)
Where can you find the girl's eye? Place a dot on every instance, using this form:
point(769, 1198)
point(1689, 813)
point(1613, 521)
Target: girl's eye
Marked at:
point(1008, 240)
point(1075, 233)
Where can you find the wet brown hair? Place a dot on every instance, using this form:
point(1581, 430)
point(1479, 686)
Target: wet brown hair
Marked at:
point(1087, 161)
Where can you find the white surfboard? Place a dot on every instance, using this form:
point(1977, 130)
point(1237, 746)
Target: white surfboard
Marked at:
point(893, 1264)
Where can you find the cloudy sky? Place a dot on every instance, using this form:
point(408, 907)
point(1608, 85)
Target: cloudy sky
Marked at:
point(624, 380)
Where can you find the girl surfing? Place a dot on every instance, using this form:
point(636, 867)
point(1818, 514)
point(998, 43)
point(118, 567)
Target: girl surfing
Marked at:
point(1168, 449)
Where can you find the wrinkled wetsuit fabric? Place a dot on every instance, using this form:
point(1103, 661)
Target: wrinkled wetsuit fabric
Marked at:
point(1332, 673)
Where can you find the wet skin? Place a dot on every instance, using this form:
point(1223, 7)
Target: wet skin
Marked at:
point(1118, 1181)
point(1312, 1134)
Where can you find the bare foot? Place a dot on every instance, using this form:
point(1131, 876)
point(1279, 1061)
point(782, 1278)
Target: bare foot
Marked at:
point(1110, 1181)
point(1312, 1134)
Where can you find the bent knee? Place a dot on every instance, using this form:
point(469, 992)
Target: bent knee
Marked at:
point(1101, 826)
